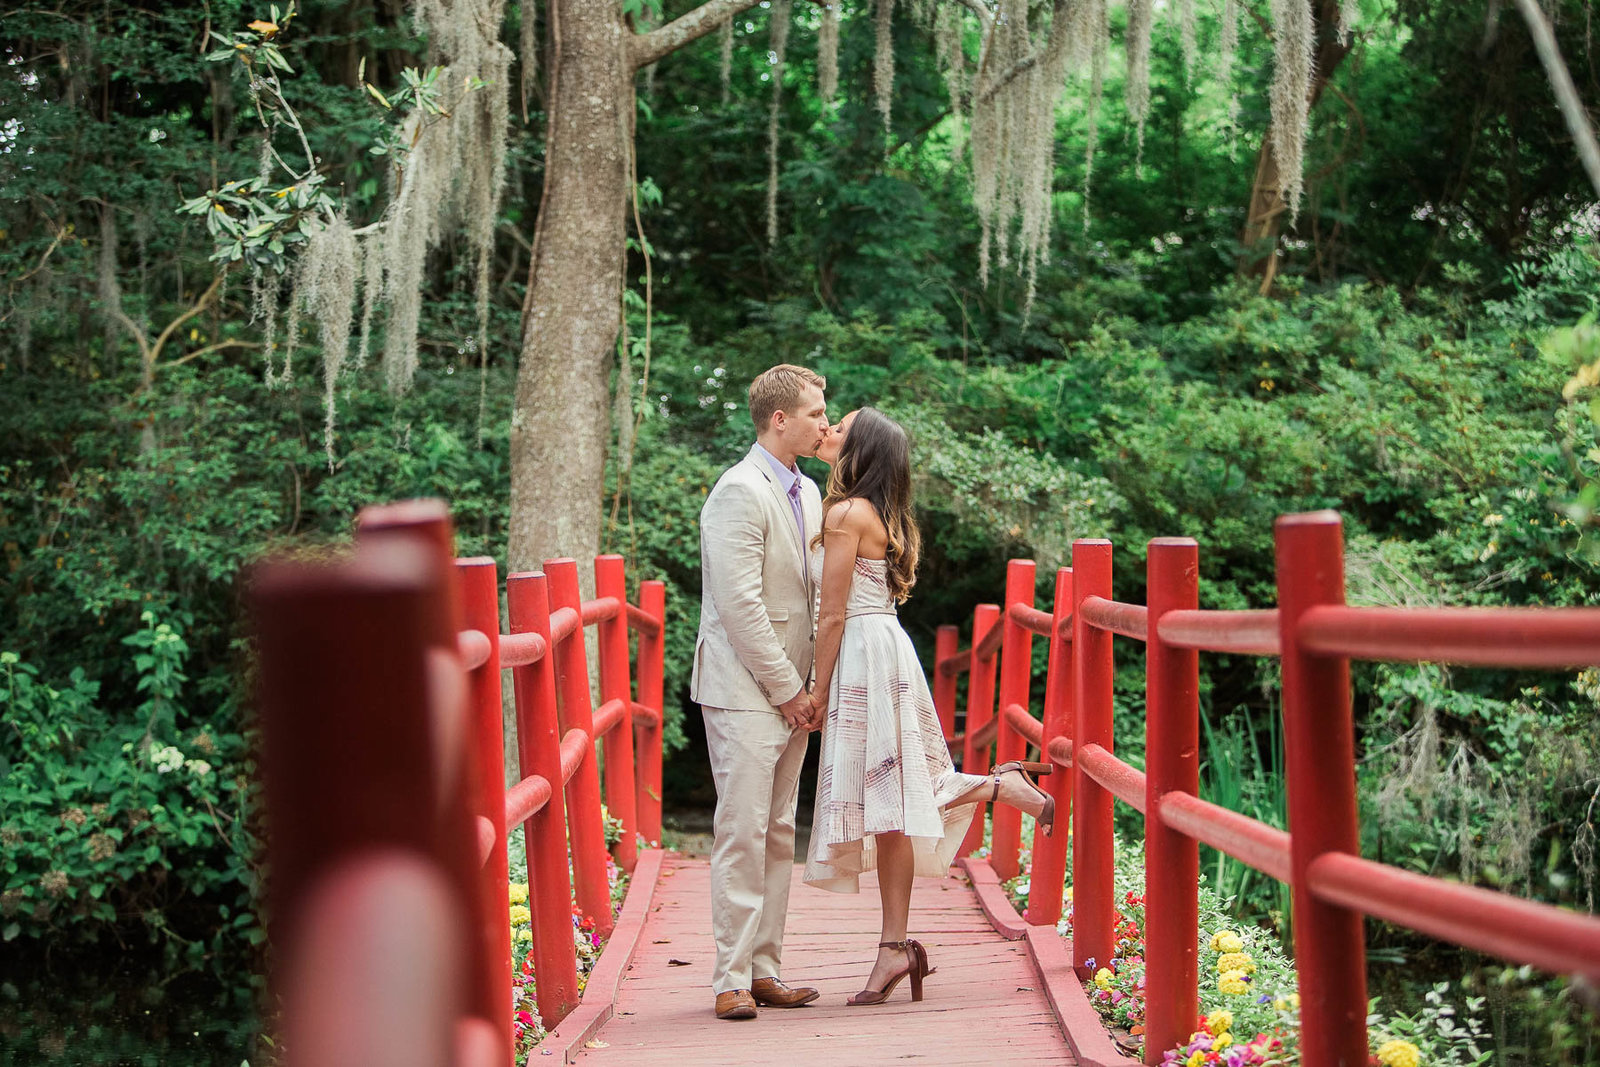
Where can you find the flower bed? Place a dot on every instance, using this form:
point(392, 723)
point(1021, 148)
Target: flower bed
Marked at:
point(528, 1029)
point(1250, 1011)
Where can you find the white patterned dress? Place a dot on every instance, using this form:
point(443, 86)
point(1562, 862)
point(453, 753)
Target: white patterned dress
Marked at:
point(885, 765)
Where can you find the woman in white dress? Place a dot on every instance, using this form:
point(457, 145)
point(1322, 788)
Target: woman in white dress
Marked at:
point(888, 796)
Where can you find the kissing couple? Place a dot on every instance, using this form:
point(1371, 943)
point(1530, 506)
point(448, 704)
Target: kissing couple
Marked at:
point(798, 633)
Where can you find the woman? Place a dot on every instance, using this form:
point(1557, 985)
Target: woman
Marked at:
point(887, 794)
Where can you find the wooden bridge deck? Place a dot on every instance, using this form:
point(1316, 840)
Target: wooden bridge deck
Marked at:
point(986, 1005)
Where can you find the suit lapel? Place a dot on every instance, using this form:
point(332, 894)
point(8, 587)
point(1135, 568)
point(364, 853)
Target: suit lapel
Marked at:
point(765, 470)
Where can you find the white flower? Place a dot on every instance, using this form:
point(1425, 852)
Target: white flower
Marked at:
point(166, 759)
point(197, 767)
point(1493, 519)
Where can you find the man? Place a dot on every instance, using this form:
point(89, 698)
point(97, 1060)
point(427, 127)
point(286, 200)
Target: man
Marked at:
point(752, 665)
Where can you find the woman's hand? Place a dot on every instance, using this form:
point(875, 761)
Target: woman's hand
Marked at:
point(819, 710)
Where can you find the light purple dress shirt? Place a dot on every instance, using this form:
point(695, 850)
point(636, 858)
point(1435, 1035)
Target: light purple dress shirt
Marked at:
point(789, 481)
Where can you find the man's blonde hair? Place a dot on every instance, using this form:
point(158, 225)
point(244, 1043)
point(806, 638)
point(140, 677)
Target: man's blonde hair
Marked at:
point(778, 389)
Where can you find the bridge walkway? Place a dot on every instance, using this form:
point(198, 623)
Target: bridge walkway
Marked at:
point(985, 1005)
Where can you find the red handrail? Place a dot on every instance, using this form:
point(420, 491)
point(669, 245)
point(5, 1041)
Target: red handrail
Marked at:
point(1549, 638)
point(1248, 633)
point(1332, 887)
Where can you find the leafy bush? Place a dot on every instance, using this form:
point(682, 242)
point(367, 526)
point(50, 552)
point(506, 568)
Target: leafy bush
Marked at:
point(114, 824)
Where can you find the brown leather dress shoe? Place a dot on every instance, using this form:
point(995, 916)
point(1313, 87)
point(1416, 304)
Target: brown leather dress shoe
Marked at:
point(736, 1004)
point(773, 993)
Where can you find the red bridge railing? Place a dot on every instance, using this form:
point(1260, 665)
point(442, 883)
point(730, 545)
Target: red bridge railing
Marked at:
point(380, 699)
point(1316, 636)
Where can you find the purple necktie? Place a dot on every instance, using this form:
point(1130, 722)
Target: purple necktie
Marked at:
point(800, 526)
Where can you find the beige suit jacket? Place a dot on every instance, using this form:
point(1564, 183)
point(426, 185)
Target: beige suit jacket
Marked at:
point(757, 634)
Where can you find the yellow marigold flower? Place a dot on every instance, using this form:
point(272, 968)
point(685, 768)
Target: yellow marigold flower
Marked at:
point(1226, 941)
point(1220, 1042)
point(519, 893)
point(1220, 1021)
point(520, 915)
point(1237, 961)
point(1294, 1001)
point(524, 934)
point(1399, 1054)
point(1102, 978)
point(1197, 1060)
point(1233, 983)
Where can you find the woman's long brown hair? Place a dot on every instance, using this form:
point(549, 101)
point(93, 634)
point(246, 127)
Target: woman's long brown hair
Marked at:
point(874, 465)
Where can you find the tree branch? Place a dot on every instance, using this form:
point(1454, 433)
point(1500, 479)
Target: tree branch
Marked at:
point(1051, 49)
point(1566, 93)
point(646, 48)
point(219, 346)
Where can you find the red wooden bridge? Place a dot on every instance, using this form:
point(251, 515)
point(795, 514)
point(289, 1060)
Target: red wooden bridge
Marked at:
point(380, 693)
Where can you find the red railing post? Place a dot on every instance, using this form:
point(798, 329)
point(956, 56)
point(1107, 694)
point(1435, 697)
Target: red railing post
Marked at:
point(584, 822)
point(1050, 853)
point(980, 710)
point(1093, 873)
point(652, 689)
point(1016, 672)
point(611, 641)
point(348, 690)
point(428, 522)
point(1319, 756)
point(945, 641)
point(478, 587)
point(555, 965)
point(1172, 765)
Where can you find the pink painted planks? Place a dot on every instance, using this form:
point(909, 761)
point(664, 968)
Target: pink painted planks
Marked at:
point(984, 1005)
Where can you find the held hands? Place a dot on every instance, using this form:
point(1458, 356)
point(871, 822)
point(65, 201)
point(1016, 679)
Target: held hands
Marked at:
point(797, 711)
point(804, 711)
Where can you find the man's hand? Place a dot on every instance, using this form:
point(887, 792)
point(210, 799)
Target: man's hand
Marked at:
point(796, 711)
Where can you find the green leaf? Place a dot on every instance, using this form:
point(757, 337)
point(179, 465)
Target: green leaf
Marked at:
point(379, 97)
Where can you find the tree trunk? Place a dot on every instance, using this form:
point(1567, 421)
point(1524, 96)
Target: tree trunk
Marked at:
point(1264, 217)
point(561, 423)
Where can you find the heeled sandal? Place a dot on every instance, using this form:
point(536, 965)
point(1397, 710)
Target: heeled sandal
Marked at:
point(916, 969)
point(1045, 818)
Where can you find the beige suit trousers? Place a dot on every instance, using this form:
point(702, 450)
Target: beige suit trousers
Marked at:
point(755, 761)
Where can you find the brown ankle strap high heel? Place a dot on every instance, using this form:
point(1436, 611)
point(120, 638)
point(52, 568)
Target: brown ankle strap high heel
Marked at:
point(916, 969)
point(1047, 817)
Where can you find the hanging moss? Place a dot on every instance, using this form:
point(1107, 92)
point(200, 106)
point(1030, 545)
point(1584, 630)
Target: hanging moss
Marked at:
point(1187, 37)
point(1293, 26)
point(325, 286)
point(779, 34)
point(528, 17)
point(725, 39)
point(883, 60)
point(1140, 18)
point(1227, 48)
point(828, 53)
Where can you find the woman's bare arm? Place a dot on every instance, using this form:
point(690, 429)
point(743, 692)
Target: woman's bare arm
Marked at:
point(841, 538)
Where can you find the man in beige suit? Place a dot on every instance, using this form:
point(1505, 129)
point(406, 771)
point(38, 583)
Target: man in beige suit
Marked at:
point(752, 671)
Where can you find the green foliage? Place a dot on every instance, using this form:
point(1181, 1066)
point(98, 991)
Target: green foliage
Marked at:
point(115, 823)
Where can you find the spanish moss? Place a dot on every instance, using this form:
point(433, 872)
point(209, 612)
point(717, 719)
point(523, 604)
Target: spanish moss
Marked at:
point(1292, 40)
point(779, 33)
point(828, 53)
point(883, 60)
point(1138, 90)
